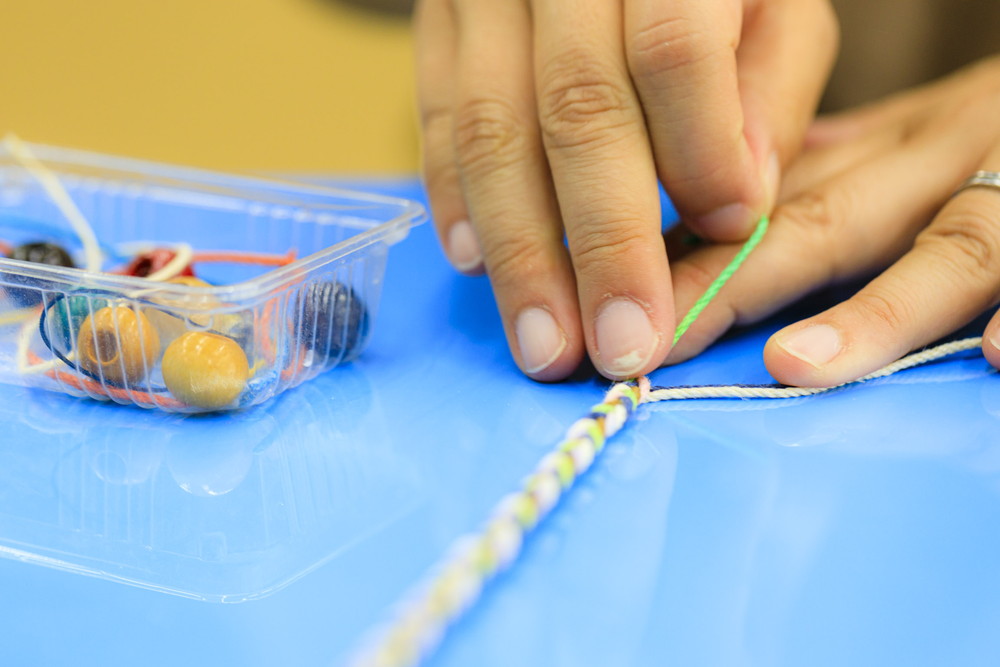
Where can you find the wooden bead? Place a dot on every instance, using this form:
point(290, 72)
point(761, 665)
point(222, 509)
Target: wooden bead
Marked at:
point(171, 321)
point(118, 344)
point(65, 316)
point(205, 370)
point(150, 262)
point(196, 311)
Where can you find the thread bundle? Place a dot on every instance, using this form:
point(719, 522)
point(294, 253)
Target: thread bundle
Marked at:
point(475, 559)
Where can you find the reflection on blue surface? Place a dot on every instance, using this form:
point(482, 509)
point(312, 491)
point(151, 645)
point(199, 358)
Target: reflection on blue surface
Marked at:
point(851, 528)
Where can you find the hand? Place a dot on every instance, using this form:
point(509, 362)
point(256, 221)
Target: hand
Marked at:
point(545, 118)
point(872, 191)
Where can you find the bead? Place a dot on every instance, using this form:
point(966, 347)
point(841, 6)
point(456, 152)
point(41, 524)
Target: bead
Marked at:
point(42, 253)
point(172, 320)
point(188, 280)
point(37, 253)
point(205, 370)
point(333, 321)
point(152, 261)
point(65, 316)
point(181, 313)
point(118, 344)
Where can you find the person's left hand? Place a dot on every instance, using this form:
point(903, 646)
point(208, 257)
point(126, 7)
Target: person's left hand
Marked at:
point(871, 192)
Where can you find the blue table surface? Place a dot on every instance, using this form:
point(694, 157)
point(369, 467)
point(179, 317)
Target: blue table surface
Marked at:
point(859, 527)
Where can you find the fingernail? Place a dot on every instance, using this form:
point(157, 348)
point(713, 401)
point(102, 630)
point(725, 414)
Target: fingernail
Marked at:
point(463, 246)
point(994, 339)
point(539, 337)
point(626, 338)
point(816, 345)
point(772, 177)
point(728, 223)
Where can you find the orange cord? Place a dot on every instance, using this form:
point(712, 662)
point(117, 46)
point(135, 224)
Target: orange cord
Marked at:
point(86, 384)
point(244, 257)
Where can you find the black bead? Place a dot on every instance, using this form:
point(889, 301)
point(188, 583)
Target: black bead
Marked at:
point(43, 253)
point(331, 320)
point(36, 253)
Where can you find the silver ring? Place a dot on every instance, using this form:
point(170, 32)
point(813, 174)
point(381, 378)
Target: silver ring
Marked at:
point(980, 179)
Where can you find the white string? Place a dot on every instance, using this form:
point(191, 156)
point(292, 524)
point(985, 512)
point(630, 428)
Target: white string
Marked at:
point(91, 250)
point(737, 391)
point(183, 254)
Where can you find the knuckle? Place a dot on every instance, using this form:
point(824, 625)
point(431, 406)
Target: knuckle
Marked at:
point(600, 248)
point(891, 313)
point(816, 213)
point(812, 210)
point(816, 218)
point(966, 243)
point(487, 134)
point(510, 259)
point(668, 45)
point(580, 100)
point(436, 119)
point(691, 272)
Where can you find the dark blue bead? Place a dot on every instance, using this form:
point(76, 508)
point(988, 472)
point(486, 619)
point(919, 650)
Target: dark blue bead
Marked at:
point(331, 320)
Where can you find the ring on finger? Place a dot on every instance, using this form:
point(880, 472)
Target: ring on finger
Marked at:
point(980, 179)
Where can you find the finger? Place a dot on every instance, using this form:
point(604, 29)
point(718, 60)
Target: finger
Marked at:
point(784, 61)
point(682, 58)
point(854, 123)
point(818, 165)
point(951, 275)
point(849, 226)
point(909, 106)
point(508, 190)
point(857, 136)
point(436, 48)
point(603, 172)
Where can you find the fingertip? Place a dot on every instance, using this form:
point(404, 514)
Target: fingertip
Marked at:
point(728, 223)
point(806, 355)
point(627, 339)
point(545, 352)
point(991, 342)
point(736, 221)
point(463, 249)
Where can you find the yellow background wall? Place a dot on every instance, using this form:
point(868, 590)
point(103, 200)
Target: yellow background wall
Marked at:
point(302, 85)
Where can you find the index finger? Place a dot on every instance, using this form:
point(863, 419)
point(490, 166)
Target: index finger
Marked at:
point(602, 168)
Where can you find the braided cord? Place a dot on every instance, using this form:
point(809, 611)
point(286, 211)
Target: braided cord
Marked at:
point(422, 618)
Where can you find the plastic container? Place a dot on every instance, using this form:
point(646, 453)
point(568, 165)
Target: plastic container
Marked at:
point(178, 347)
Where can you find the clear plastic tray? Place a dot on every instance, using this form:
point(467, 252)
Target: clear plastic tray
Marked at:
point(256, 331)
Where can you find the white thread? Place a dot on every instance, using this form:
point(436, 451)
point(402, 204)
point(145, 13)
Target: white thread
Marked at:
point(545, 488)
point(615, 420)
point(736, 391)
point(91, 250)
point(582, 455)
point(505, 535)
point(581, 429)
point(183, 255)
point(550, 465)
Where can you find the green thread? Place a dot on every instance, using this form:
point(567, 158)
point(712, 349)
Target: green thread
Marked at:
point(727, 273)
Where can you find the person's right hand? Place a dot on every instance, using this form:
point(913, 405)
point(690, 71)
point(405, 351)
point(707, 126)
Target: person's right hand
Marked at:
point(545, 118)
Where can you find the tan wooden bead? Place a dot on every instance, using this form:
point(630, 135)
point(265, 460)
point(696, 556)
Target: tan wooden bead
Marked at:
point(205, 370)
point(118, 344)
